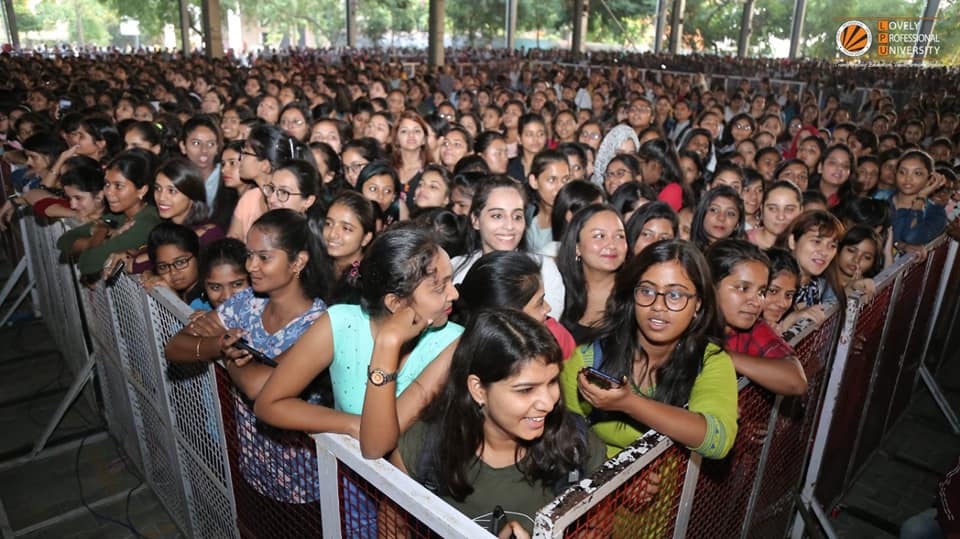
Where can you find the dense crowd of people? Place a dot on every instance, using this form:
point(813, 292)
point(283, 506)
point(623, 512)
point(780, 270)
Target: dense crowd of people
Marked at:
point(499, 279)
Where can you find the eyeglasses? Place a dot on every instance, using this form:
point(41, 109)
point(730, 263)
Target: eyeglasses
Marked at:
point(355, 168)
point(245, 152)
point(290, 123)
point(282, 194)
point(591, 136)
point(161, 268)
point(619, 173)
point(675, 300)
point(640, 109)
point(746, 127)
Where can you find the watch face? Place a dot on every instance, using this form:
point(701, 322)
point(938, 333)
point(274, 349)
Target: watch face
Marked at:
point(376, 377)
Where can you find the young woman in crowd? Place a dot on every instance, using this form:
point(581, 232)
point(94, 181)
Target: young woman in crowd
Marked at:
point(549, 173)
point(264, 151)
point(200, 143)
point(174, 251)
point(812, 238)
point(783, 285)
point(294, 185)
point(129, 221)
point(719, 215)
point(511, 280)
point(780, 205)
point(916, 218)
point(660, 337)
point(498, 223)
point(651, 223)
point(223, 273)
point(533, 139)
point(592, 250)
point(288, 281)
point(406, 296)
point(497, 434)
point(433, 190)
point(348, 229)
point(356, 154)
point(741, 276)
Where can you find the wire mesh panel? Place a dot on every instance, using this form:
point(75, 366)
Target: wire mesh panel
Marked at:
point(876, 410)
point(367, 513)
point(724, 486)
point(645, 506)
point(197, 429)
point(142, 368)
point(117, 403)
point(277, 494)
point(791, 437)
point(637, 493)
point(912, 356)
point(848, 409)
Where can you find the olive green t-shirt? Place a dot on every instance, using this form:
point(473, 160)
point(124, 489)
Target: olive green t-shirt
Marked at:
point(505, 487)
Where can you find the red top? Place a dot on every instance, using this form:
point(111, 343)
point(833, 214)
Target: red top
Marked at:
point(759, 341)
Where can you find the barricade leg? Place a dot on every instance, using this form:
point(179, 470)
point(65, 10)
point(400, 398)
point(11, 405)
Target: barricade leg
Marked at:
point(934, 388)
point(79, 383)
point(11, 283)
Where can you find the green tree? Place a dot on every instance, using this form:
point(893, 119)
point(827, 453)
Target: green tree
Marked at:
point(479, 21)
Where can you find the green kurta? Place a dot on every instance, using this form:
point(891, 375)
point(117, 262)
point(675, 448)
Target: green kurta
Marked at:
point(714, 396)
point(91, 260)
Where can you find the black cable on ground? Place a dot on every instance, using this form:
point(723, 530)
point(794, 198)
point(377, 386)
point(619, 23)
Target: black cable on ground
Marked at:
point(99, 516)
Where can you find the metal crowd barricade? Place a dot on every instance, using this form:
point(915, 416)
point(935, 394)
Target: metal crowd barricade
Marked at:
point(874, 372)
point(179, 424)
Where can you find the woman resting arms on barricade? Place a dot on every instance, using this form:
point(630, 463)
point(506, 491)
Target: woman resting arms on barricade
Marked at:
point(406, 294)
point(128, 222)
point(659, 339)
point(288, 277)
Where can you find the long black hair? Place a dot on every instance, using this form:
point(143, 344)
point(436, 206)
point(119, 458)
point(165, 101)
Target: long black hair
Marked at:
point(396, 262)
point(291, 233)
point(697, 233)
point(571, 268)
point(505, 279)
point(618, 333)
point(497, 344)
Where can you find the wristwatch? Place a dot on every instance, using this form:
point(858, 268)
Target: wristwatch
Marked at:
point(380, 377)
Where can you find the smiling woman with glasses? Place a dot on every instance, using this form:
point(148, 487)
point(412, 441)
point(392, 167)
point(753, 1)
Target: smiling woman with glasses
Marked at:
point(660, 337)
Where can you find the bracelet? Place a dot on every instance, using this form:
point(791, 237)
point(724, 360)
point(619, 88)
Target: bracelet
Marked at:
point(196, 354)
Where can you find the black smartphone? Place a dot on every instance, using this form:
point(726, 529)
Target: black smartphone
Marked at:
point(497, 520)
point(242, 344)
point(601, 379)
point(110, 221)
point(115, 274)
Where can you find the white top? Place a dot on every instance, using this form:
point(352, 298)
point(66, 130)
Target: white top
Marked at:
point(552, 281)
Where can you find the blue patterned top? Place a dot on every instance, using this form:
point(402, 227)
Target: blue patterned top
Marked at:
point(277, 463)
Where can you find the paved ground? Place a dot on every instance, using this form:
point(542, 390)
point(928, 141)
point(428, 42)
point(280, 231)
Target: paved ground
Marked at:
point(900, 479)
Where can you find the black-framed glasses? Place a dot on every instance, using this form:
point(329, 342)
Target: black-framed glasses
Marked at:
point(675, 300)
point(282, 194)
point(245, 152)
point(178, 264)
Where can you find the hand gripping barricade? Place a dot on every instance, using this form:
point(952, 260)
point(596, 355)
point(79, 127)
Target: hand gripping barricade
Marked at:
point(182, 425)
